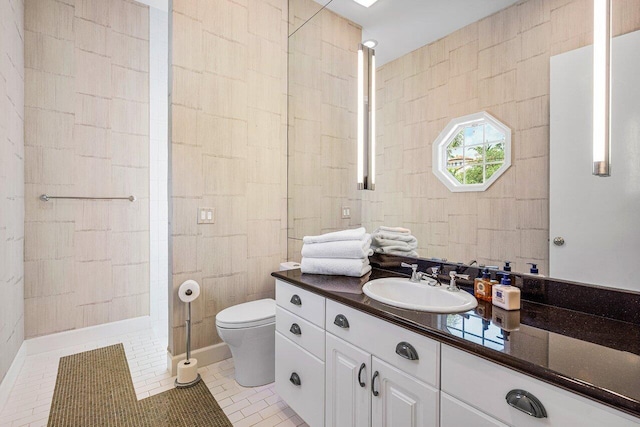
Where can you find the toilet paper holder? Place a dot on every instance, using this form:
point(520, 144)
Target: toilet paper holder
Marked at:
point(188, 292)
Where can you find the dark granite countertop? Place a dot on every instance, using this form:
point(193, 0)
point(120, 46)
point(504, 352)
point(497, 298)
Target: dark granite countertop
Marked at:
point(593, 356)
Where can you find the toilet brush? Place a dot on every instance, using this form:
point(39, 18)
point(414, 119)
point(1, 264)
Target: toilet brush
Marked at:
point(188, 375)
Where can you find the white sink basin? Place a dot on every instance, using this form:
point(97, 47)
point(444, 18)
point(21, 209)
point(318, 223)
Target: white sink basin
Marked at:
point(402, 293)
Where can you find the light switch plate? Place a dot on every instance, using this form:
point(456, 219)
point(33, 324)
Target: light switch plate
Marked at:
point(346, 212)
point(206, 215)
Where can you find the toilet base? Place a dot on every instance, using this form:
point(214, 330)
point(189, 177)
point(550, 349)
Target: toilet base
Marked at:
point(253, 352)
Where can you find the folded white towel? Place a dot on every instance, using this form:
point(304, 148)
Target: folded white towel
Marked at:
point(394, 248)
point(353, 234)
point(412, 254)
point(335, 267)
point(399, 230)
point(381, 239)
point(350, 249)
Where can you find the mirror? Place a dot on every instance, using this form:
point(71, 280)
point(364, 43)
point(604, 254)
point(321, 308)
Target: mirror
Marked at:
point(436, 61)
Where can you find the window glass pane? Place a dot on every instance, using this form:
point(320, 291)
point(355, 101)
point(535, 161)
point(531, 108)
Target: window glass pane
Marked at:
point(474, 154)
point(495, 152)
point(474, 174)
point(492, 134)
point(491, 169)
point(458, 173)
point(473, 135)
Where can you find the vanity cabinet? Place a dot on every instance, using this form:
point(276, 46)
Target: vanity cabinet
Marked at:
point(338, 367)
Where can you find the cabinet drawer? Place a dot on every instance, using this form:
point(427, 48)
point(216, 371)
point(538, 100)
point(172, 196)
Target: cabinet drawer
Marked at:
point(300, 331)
point(381, 339)
point(484, 385)
point(306, 398)
point(454, 413)
point(302, 303)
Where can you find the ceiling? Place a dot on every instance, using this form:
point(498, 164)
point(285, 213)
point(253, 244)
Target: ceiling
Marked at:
point(402, 26)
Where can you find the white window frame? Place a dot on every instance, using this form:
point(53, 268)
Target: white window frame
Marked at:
point(449, 133)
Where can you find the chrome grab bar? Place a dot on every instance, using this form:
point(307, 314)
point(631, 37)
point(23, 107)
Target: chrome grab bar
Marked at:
point(46, 198)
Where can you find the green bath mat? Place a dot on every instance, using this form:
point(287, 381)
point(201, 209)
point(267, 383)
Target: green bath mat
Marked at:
point(94, 388)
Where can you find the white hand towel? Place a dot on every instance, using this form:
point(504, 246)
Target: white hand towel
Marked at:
point(335, 267)
point(353, 234)
point(380, 239)
point(350, 249)
point(398, 230)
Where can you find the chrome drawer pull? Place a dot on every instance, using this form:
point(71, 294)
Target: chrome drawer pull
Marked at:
point(341, 321)
point(295, 379)
point(295, 300)
point(362, 383)
point(373, 383)
point(407, 351)
point(295, 329)
point(526, 402)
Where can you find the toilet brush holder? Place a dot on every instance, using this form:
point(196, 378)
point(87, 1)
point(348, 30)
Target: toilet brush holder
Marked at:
point(188, 375)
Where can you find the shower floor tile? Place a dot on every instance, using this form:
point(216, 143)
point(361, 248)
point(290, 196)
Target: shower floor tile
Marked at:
point(30, 398)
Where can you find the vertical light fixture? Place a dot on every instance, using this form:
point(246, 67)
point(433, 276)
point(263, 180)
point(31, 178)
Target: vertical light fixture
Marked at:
point(601, 87)
point(366, 118)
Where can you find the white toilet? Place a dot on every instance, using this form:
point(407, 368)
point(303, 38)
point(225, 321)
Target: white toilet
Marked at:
point(249, 331)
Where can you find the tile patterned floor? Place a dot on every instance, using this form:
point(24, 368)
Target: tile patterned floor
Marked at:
point(30, 399)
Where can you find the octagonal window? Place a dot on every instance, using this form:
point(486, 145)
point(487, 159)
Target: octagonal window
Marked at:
point(472, 152)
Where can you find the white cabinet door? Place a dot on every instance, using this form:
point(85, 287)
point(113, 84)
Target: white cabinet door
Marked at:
point(300, 380)
point(348, 381)
point(401, 401)
point(454, 413)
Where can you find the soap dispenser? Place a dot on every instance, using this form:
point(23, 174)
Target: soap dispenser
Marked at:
point(482, 286)
point(506, 296)
point(507, 266)
point(534, 269)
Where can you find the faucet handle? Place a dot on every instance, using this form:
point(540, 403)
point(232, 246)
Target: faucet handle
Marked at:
point(414, 267)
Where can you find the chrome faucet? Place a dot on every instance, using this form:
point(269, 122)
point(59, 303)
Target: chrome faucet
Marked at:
point(416, 276)
point(453, 286)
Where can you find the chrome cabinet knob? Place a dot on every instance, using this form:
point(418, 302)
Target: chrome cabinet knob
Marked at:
point(558, 241)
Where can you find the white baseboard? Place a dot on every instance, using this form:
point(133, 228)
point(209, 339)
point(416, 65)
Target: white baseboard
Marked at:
point(12, 375)
point(206, 356)
point(81, 336)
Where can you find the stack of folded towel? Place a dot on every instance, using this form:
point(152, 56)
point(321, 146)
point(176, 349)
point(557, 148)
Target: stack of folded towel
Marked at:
point(394, 241)
point(342, 253)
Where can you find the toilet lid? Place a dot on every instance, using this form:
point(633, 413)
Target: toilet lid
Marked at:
point(248, 314)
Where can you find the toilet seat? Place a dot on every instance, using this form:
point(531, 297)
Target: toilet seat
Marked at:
point(247, 315)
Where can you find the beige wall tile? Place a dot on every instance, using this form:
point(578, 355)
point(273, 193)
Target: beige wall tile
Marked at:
point(94, 36)
point(93, 10)
point(130, 18)
point(86, 126)
point(228, 146)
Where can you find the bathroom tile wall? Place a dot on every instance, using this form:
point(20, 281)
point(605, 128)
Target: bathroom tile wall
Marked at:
point(322, 143)
point(11, 181)
point(86, 134)
point(501, 65)
point(228, 151)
